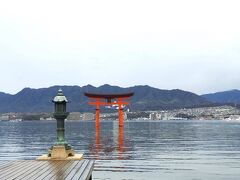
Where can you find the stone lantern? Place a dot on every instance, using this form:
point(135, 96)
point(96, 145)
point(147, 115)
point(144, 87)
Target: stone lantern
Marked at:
point(60, 150)
point(60, 114)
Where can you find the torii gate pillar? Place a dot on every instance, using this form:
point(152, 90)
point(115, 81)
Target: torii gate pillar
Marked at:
point(120, 117)
point(97, 117)
point(120, 112)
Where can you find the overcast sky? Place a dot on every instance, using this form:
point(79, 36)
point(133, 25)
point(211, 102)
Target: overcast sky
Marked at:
point(185, 44)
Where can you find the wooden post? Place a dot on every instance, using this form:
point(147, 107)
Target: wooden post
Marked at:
point(120, 112)
point(97, 118)
point(97, 115)
point(120, 117)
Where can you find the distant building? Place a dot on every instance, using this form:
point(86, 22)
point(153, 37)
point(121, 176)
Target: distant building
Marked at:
point(153, 116)
point(125, 116)
point(50, 119)
point(4, 118)
point(74, 116)
point(88, 116)
point(234, 117)
point(159, 116)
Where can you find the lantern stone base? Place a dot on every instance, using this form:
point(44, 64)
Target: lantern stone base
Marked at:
point(60, 153)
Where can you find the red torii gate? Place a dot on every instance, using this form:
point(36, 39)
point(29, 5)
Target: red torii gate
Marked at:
point(110, 99)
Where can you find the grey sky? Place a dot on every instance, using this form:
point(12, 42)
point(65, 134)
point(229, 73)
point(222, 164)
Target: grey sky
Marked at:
point(185, 44)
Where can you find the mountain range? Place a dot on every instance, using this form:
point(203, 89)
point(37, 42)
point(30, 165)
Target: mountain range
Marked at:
point(230, 97)
point(145, 98)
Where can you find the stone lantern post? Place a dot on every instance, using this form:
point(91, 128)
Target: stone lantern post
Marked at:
point(60, 150)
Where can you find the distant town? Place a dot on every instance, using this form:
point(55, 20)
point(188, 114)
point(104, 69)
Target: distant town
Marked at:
point(204, 113)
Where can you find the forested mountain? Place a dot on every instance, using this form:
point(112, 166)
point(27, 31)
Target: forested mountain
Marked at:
point(145, 98)
point(232, 96)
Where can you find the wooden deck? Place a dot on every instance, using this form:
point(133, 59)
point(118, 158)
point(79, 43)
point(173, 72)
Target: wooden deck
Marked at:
point(55, 170)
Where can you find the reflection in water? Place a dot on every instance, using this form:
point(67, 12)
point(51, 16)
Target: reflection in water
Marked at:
point(120, 142)
point(97, 141)
point(107, 147)
point(140, 150)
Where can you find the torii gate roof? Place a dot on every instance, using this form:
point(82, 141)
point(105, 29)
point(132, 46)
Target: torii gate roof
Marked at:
point(109, 96)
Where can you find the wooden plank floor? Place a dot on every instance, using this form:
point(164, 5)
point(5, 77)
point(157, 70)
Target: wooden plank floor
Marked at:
point(54, 170)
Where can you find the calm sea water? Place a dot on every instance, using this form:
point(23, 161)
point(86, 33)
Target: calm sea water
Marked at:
point(141, 150)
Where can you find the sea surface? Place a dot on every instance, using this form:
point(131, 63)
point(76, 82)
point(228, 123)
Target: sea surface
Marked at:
point(182, 150)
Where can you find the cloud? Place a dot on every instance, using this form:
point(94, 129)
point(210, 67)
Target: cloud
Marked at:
point(192, 45)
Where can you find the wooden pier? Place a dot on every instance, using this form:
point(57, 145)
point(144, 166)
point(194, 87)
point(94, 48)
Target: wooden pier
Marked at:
point(55, 170)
